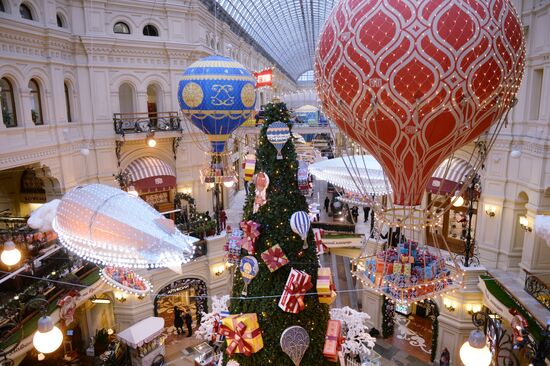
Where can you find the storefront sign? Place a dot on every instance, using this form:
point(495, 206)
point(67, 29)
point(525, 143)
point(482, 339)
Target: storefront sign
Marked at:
point(156, 198)
point(264, 78)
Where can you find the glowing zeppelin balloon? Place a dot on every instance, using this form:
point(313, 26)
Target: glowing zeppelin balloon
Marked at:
point(218, 95)
point(412, 81)
point(108, 226)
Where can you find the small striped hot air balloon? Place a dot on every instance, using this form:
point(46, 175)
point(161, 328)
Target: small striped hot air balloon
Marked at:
point(278, 134)
point(300, 223)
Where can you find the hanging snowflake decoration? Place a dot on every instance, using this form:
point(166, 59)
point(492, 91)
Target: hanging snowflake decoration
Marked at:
point(357, 338)
point(210, 322)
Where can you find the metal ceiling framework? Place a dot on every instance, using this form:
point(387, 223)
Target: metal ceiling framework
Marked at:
point(286, 29)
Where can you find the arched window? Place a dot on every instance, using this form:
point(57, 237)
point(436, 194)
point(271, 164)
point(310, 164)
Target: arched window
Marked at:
point(25, 12)
point(121, 28)
point(150, 30)
point(2, 8)
point(7, 102)
point(126, 98)
point(68, 101)
point(36, 103)
point(60, 20)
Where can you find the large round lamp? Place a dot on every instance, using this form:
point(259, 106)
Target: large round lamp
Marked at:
point(475, 351)
point(48, 337)
point(10, 255)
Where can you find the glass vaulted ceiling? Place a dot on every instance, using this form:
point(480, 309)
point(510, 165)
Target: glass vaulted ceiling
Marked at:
point(287, 29)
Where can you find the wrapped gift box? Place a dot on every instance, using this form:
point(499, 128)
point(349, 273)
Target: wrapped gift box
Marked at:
point(274, 258)
point(325, 286)
point(383, 267)
point(242, 334)
point(333, 340)
point(297, 284)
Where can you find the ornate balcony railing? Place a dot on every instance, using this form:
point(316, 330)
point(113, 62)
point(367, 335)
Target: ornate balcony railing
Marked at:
point(537, 288)
point(144, 122)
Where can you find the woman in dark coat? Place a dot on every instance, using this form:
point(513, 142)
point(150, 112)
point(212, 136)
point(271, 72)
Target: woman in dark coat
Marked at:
point(178, 320)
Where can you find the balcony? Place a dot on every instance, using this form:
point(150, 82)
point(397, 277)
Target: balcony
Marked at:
point(130, 123)
point(538, 288)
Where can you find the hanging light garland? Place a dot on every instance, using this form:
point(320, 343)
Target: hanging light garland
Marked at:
point(126, 281)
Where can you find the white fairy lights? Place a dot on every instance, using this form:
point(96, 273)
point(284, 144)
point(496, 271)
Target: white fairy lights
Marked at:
point(107, 226)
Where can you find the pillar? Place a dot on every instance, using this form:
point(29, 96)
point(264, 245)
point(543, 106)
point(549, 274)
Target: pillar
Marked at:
point(456, 324)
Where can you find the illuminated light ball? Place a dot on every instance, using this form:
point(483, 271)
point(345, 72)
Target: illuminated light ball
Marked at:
point(218, 95)
point(10, 255)
point(412, 81)
point(515, 154)
point(48, 337)
point(475, 351)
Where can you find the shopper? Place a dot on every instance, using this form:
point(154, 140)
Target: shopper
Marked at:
point(223, 219)
point(366, 210)
point(189, 323)
point(327, 203)
point(355, 213)
point(178, 320)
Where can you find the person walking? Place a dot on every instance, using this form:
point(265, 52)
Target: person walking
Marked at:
point(189, 323)
point(355, 213)
point(327, 203)
point(178, 320)
point(366, 210)
point(223, 219)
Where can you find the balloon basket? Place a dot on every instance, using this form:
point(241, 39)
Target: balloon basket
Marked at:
point(407, 274)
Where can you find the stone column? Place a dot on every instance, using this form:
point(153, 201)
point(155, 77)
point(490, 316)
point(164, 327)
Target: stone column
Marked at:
point(456, 324)
point(372, 305)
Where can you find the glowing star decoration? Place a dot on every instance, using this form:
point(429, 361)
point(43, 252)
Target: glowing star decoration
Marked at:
point(278, 134)
point(126, 281)
point(249, 269)
point(218, 95)
point(295, 342)
point(108, 226)
point(412, 81)
point(300, 224)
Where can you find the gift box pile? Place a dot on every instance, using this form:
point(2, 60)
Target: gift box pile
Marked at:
point(333, 340)
point(296, 287)
point(233, 246)
point(407, 272)
point(326, 290)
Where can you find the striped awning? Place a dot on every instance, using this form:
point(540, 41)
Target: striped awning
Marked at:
point(151, 174)
point(448, 178)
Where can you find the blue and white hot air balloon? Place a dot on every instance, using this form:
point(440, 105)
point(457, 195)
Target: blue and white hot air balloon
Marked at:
point(278, 134)
point(218, 95)
point(300, 224)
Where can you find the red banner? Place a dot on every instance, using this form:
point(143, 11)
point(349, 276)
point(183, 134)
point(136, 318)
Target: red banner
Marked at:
point(264, 78)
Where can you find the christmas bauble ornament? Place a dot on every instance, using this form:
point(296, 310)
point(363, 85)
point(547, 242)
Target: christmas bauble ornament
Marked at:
point(300, 223)
point(278, 134)
point(295, 342)
point(412, 81)
point(249, 269)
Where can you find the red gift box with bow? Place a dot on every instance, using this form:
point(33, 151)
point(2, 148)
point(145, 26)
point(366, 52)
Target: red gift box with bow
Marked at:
point(297, 285)
point(251, 231)
point(274, 258)
point(242, 334)
point(333, 340)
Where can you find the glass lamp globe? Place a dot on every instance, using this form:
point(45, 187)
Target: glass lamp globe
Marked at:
point(458, 201)
point(10, 255)
point(151, 142)
point(475, 351)
point(48, 337)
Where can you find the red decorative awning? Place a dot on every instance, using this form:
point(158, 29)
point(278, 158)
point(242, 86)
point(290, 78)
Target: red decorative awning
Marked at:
point(448, 178)
point(150, 174)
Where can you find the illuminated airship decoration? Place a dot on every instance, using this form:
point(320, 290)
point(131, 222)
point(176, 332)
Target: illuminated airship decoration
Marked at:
point(217, 94)
point(413, 81)
point(110, 227)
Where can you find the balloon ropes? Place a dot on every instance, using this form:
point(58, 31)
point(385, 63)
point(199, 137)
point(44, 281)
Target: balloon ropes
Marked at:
point(217, 94)
point(412, 82)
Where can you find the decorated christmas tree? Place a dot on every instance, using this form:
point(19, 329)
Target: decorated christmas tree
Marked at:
point(275, 274)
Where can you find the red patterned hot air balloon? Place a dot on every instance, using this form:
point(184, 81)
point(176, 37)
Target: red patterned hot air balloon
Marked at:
point(412, 81)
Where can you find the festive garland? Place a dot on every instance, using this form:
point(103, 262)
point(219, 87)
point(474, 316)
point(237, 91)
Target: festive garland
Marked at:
point(388, 313)
point(435, 327)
